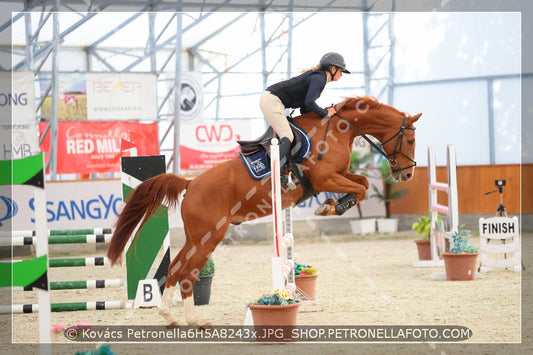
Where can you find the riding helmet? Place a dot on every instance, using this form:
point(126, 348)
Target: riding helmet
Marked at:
point(332, 58)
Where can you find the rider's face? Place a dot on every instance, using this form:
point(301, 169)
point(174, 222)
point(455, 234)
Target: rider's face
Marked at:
point(338, 74)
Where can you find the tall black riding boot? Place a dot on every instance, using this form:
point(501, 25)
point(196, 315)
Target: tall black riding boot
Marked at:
point(284, 157)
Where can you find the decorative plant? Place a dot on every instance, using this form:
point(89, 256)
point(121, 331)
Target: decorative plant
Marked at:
point(459, 242)
point(302, 269)
point(209, 268)
point(389, 193)
point(423, 226)
point(277, 297)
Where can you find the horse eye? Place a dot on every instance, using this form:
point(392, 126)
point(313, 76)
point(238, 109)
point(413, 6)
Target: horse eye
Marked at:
point(410, 141)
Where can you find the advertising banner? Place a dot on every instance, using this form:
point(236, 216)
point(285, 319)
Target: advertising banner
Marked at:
point(94, 147)
point(72, 97)
point(18, 128)
point(121, 96)
point(204, 145)
point(17, 96)
point(70, 205)
point(97, 203)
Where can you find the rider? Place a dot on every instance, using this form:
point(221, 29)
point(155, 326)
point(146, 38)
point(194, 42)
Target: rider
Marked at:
point(299, 92)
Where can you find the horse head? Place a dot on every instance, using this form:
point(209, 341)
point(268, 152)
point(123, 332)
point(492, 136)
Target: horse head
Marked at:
point(393, 128)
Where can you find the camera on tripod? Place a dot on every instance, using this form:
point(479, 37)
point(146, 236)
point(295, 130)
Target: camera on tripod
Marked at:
point(499, 184)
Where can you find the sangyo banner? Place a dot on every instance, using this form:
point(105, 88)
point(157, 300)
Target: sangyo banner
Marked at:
point(94, 147)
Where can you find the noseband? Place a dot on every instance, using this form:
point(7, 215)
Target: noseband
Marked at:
point(395, 166)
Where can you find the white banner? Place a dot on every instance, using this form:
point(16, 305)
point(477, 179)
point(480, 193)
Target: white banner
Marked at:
point(19, 136)
point(97, 203)
point(70, 205)
point(192, 97)
point(121, 96)
point(17, 101)
point(18, 141)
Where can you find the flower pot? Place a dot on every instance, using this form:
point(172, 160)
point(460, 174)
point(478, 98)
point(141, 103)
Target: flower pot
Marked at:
point(305, 286)
point(423, 247)
point(274, 315)
point(202, 290)
point(274, 323)
point(387, 225)
point(363, 226)
point(460, 266)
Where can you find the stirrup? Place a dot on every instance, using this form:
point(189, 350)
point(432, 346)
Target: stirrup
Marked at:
point(288, 181)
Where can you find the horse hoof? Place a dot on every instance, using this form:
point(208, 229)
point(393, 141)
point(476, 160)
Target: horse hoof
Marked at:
point(322, 210)
point(173, 325)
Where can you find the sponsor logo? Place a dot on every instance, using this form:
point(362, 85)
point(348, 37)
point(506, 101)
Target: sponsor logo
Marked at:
point(11, 209)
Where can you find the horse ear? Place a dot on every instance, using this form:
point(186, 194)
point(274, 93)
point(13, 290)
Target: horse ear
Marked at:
point(413, 119)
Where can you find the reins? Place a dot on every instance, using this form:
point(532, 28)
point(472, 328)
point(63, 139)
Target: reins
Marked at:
point(397, 147)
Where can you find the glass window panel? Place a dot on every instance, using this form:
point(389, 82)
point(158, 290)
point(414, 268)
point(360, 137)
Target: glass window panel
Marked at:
point(452, 113)
point(450, 45)
point(527, 121)
point(506, 104)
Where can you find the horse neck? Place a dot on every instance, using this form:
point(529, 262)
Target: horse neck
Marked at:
point(374, 123)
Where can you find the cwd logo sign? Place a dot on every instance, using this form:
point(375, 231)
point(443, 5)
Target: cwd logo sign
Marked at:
point(8, 209)
point(203, 145)
point(215, 133)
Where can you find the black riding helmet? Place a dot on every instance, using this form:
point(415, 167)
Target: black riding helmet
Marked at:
point(332, 58)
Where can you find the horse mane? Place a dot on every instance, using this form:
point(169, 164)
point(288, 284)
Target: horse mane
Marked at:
point(365, 102)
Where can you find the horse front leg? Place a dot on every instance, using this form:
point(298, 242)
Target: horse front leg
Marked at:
point(332, 207)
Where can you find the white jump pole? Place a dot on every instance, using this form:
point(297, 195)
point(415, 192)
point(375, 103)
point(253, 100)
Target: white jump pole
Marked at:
point(451, 210)
point(277, 271)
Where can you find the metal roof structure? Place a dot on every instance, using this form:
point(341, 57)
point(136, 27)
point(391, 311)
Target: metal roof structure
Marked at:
point(177, 36)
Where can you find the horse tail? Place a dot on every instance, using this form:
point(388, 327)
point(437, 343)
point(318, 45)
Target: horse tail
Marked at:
point(142, 203)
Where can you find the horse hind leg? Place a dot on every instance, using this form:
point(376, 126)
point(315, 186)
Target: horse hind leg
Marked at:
point(166, 303)
point(184, 269)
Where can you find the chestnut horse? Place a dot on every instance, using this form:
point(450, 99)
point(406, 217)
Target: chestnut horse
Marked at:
point(227, 194)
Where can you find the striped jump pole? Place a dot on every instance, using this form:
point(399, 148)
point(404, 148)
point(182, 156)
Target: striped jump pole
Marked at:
point(32, 233)
point(64, 307)
point(277, 268)
point(451, 210)
point(58, 239)
point(282, 261)
point(81, 284)
point(70, 262)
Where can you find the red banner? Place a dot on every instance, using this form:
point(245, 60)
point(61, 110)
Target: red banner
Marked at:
point(192, 159)
point(94, 147)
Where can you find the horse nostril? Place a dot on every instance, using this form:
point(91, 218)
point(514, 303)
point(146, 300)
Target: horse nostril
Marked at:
point(408, 176)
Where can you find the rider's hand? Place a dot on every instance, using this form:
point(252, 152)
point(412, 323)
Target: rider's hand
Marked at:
point(331, 111)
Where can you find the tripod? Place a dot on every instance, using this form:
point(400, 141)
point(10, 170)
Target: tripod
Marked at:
point(501, 211)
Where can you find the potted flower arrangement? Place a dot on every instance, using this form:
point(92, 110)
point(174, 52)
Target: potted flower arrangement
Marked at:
point(202, 287)
point(305, 278)
point(423, 227)
point(389, 193)
point(278, 307)
point(460, 262)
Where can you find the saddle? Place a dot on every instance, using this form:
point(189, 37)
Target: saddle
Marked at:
point(255, 155)
point(251, 147)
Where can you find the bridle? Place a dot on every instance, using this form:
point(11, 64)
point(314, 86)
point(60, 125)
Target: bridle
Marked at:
point(395, 166)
